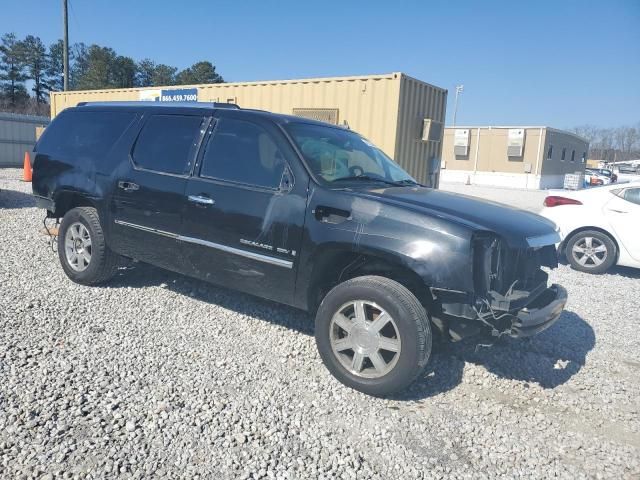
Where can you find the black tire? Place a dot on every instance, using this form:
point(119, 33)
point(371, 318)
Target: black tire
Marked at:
point(103, 264)
point(413, 328)
point(590, 265)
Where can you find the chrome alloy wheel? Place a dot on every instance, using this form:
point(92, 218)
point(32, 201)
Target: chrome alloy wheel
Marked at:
point(589, 252)
point(365, 339)
point(77, 246)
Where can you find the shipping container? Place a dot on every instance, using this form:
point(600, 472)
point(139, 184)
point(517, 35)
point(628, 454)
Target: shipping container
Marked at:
point(400, 114)
point(17, 135)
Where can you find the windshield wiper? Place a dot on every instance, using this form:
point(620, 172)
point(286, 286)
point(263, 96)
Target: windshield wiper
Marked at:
point(369, 178)
point(408, 181)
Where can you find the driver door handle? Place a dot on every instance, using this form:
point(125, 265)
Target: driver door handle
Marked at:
point(202, 200)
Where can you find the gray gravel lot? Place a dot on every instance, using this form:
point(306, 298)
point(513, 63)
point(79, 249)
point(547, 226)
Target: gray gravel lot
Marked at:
point(158, 375)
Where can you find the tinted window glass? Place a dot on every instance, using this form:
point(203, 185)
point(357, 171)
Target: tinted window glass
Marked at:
point(243, 152)
point(632, 195)
point(336, 155)
point(167, 143)
point(77, 134)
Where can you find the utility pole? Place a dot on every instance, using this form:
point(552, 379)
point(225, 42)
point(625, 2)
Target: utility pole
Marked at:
point(459, 90)
point(65, 48)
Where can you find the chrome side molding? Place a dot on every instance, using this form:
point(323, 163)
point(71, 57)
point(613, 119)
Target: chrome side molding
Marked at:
point(279, 262)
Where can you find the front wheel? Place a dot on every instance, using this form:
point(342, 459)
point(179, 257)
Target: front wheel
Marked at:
point(373, 335)
point(82, 248)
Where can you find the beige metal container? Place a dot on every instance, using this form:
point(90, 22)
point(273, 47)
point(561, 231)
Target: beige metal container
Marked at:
point(389, 109)
point(545, 155)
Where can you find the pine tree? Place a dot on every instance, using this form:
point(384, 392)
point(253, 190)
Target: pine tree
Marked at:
point(34, 57)
point(79, 52)
point(55, 66)
point(12, 74)
point(164, 75)
point(99, 71)
point(200, 72)
point(145, 70)
point(123, 72)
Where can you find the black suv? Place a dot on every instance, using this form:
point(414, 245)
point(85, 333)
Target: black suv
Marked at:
point(298, 212)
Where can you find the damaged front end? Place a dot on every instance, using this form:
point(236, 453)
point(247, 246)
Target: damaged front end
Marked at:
point(510, 297)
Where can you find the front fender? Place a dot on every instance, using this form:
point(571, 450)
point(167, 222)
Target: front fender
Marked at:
point(436, 250)
point(440, 262)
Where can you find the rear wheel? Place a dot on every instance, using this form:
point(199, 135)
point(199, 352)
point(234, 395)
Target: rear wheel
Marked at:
point(373, 335)
point(82, 249)
point(591, 251)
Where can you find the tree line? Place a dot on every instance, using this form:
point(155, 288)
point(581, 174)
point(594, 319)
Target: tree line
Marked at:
point(611, 144)
point(29, 63)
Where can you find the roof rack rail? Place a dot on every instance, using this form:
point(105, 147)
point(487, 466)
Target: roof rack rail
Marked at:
point(226, 105)
point(163, 104)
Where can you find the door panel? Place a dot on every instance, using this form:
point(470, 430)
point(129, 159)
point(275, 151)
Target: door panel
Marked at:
point(624, 216)
point(246, 237)
point(148, 197)
point(248, 240)
point(147, 219)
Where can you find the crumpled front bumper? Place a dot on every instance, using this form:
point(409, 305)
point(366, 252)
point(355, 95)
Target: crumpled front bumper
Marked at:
point(541, 313)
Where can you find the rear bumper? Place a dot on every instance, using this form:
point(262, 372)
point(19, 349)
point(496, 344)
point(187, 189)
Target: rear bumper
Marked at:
point(540, 314)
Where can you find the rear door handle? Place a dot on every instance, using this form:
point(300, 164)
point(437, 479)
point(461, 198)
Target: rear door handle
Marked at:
point(128, 186)
point(202, 200)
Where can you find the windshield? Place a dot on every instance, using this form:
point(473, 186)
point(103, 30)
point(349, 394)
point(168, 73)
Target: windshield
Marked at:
point(337, 155)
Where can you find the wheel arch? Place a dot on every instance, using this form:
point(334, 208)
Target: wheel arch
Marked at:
point(67, 200)
point(336, 264)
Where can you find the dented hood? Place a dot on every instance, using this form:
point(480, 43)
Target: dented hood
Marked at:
point(518, 227)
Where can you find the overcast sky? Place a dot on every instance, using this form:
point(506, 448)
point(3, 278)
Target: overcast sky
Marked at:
point(557, 63)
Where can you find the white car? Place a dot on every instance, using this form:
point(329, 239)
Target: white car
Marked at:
point(599, 227)
point(594, 178)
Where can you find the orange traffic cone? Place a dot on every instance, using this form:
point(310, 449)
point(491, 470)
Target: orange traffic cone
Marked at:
point(26, 175)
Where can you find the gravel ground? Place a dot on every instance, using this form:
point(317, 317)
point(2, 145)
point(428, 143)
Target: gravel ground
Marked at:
point(158, 375)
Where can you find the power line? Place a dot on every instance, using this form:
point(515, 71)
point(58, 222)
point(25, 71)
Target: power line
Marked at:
point(73, 15)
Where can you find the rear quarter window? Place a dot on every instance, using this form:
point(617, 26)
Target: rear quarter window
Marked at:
point(80, 135)
point(167, 143)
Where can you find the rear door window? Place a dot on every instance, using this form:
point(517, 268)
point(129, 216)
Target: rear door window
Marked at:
point(243, 152)
point(168, 143)
point(77, 134)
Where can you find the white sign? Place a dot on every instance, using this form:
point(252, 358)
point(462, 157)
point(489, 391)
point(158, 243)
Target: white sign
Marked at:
point(150, 95)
